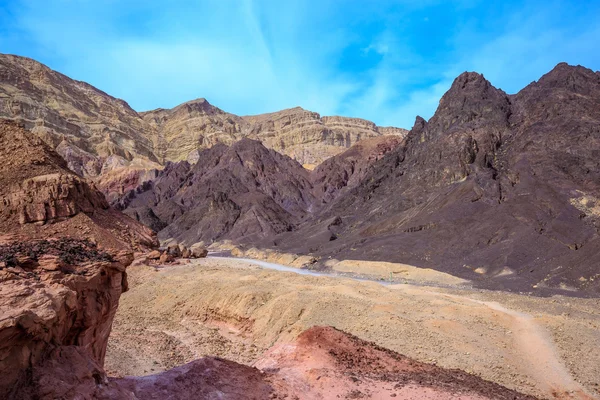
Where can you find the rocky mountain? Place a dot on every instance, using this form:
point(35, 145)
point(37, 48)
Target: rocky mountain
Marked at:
point(244, 192)
point(87, 127)
point(99, 135)
point(303, 135)
point(495, 188)
point(41, 198)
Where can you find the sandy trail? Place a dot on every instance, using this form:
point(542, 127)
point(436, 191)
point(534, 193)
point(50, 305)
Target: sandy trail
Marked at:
point(538, 350)
point(535, 343)
point(233, 309)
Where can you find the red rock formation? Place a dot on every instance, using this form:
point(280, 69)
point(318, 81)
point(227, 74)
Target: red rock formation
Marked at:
point(42, 198)
point(55, 322)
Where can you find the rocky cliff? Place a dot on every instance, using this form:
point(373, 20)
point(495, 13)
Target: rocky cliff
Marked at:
point(495, 188)
point(84, 124)
point(42, 198)
point(303, 135)
point(99, 135)
point(57, 302)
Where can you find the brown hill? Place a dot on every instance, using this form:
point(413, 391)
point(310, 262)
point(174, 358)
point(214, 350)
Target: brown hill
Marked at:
point(303, 135)
point(244, 192)
point(43, 199)
point(496, 188)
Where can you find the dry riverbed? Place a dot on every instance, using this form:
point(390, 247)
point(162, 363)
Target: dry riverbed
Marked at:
point(547, 347)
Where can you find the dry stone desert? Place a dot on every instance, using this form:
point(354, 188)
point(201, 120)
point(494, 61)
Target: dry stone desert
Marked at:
point(190, 253)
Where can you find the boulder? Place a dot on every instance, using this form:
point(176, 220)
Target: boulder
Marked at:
point(153, 255)
point(174, 251)
point(166, 258)
point(198, 251)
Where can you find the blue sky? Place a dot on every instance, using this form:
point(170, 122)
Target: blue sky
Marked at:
point(383, 60)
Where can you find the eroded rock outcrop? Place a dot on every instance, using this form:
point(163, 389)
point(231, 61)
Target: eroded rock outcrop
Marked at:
point(55, 322)
point(41, 198)
point(494, 188)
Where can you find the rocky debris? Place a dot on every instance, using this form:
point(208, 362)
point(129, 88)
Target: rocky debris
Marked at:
point(154, 255)
point(174, 251)
point(198, 250)
point(166, 258)
point(56, 313)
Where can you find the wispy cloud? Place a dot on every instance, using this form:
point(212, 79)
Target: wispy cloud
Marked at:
point(387, 61)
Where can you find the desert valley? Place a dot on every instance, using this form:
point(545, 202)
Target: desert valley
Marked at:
point(191, 253)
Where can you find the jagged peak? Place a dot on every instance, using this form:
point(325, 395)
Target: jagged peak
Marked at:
point(470, 80)
point(569, 76)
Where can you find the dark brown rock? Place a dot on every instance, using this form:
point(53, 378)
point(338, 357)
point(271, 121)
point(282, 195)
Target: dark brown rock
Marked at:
point(495, 183)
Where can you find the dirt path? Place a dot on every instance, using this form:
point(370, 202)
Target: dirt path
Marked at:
point(236, 310)
point(534, 342)
point(538, 352)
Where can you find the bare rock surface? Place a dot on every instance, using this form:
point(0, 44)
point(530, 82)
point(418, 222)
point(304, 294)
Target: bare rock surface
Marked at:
point(97, 133)
point(84, 124)
point(303, 135)
point(493, 188)
point(55, 322)
point(41, 198)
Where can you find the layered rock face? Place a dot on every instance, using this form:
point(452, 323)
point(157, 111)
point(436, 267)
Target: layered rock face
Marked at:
point(63, 254)
point(303, 135)
point(41, 198)
point(309, 138)
point(57, 302)
point(101, 136)
point(83, 124)
point(495, 188)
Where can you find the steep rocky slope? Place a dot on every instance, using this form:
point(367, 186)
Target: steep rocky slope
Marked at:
point(63, 254)
point(41, 198)
point(303, 135)
point(85, 125)
point(57, 303)
point(244, 191)
point(496, 188)
point(99, 135)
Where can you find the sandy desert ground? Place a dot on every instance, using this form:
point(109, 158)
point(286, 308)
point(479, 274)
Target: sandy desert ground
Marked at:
point(231, 308)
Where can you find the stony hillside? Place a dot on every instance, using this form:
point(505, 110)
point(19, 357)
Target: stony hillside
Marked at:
point(100, 135)
point(244, 191)
point(496, 188)
point(41, 198)
point(303, 135)
point(86, 126)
